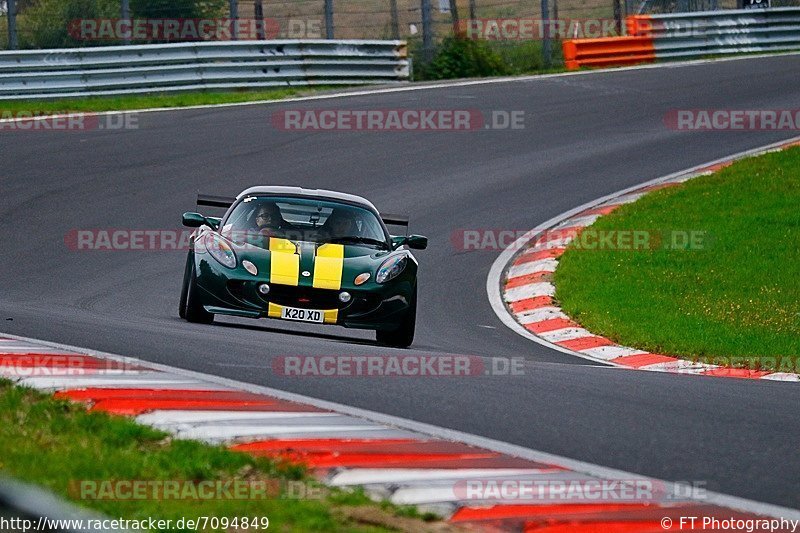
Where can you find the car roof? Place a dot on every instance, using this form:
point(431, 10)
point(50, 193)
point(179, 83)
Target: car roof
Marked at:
point(322, 194)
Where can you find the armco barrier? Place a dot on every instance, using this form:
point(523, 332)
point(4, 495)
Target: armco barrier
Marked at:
point(690, 35)
point(607, 52)
point(204, 65)
point(25, 507)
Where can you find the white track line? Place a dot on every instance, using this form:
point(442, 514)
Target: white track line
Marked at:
point(532, 267)
point(380, 476)
point(531, 290)
point(172, 417)
point(540, 314)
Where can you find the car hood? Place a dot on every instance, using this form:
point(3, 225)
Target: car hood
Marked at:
point(309, 264)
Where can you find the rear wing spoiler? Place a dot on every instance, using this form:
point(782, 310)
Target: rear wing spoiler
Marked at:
point(395, 220)
point(215, 201)
point(227, 201)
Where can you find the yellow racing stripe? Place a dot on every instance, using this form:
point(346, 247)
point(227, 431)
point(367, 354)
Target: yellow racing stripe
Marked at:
point(274, 310)
point(330, 316)
point(328, 266)
point(284, 263)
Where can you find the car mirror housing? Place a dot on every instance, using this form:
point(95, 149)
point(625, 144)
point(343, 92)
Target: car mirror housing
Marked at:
point(195, 220)
point(415, 242)
point(398, 241)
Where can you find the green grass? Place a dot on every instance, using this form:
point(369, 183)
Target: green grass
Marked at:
point(56, 444)
point(117, 103)
point(737, 297)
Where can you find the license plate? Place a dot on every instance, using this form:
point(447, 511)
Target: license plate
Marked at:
point(302, 315)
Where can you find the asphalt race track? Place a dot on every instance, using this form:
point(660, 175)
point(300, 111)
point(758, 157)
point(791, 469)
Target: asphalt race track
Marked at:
point(585, 136)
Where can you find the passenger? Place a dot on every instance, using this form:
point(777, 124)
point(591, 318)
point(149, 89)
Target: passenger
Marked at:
point(341, 224)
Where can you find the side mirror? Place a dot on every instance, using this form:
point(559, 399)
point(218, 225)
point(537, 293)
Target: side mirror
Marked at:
point(415, 242)
point(398, 241)
point(195, 220)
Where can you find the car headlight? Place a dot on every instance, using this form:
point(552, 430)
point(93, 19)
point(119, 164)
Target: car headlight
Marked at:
point(391, 268)
point(220, 250)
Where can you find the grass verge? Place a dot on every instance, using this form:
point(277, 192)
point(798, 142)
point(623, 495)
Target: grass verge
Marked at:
point(732, 297)
point(57, 444)
point(134, 102)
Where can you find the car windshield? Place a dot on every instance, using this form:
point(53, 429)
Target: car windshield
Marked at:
point(258, 218)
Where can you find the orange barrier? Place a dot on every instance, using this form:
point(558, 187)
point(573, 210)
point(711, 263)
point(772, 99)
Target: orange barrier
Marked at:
point(607, 52)
point(639, 25)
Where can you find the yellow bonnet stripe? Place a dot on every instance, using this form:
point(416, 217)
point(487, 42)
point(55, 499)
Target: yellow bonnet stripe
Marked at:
point(328, 266)
point(284, 263)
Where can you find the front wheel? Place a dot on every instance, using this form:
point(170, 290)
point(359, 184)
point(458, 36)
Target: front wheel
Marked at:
point(185, 286)
point(403, 335)
point(190, 308)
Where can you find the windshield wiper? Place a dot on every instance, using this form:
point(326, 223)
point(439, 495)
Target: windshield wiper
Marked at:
point(358, 240)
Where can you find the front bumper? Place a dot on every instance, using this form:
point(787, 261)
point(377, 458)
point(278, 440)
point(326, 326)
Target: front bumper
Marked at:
point(372, 306)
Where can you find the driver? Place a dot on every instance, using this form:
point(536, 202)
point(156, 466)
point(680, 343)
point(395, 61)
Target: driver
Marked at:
point(267, 220)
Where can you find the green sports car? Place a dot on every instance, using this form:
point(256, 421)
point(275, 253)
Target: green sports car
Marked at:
point(305, 255)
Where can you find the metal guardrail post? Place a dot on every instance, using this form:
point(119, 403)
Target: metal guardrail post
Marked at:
point(329, 19)
point(427, 31)
point(547, 51)
point(454, 15)
point(261, 32)
point(554, 8)
point(13, 43)
point(395, 19)
point(234, 16)
point(618, 16)
point(125, 14)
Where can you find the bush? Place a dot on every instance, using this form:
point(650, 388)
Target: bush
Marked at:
point(458, 57)
point(45, 23)
point(171, 9)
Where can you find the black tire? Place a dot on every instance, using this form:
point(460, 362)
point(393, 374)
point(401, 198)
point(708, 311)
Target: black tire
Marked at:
point(403, 336)
point(192, 310)
point(185, 286)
